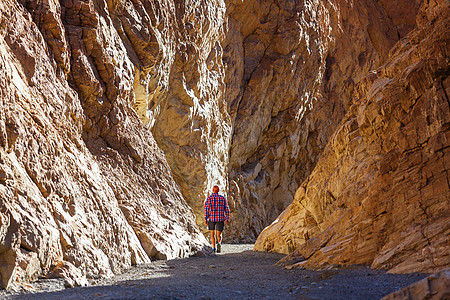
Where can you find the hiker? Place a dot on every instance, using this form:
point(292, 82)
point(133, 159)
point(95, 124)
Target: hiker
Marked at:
point(216, 212)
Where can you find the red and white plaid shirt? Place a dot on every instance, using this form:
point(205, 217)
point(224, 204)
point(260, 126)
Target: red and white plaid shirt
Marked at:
point(216, 208)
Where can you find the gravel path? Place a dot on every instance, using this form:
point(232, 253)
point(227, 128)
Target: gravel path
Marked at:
point(236, 273)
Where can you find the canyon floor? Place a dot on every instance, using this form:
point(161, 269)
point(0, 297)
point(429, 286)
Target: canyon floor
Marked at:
point(236, 273)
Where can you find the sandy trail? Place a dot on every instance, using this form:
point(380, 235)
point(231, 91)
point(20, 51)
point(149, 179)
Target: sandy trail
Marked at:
point(236, 273)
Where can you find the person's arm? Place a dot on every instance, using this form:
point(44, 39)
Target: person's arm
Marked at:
point(206, 210)
point(227, 210)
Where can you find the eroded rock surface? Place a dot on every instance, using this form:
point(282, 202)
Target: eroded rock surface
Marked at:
point(436, 286)
point(380, 192)
point(83, 185)
point(255, 90)
point(115, 112)
point(300, 63)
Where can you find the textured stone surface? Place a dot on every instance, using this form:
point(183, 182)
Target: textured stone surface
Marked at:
point(252, 94)
point(380, 192)
point(436, 286)
point(298, 56)
point(83, 185)
point(115, 111)
point(402, 13)
point(192, 123)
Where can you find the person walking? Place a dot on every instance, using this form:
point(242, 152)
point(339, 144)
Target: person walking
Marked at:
point(216, 213)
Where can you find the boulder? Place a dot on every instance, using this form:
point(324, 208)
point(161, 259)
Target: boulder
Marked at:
point(435, 286)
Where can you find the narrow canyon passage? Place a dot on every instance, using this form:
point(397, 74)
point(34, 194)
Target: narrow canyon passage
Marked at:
point(325, 123)
point(236, 273)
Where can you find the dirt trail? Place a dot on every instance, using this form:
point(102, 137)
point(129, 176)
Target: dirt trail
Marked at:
point(236, 273)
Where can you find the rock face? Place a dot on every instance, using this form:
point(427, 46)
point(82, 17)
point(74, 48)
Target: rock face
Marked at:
point(379, 195)
point(297, 58)
point(83, 185)
point(436, 286)
point(118, 114)
point(190, 121)
point(254, 92)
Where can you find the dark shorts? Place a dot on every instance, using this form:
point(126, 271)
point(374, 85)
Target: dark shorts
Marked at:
point(215, 225)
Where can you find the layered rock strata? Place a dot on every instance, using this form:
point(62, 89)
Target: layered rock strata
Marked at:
point(298, 60)
point(252, 94)
point(379, 194)
point(244, 94)
point(84, 189)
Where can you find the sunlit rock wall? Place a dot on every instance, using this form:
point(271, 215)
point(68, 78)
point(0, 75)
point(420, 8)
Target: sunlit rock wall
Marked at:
point(84, 189)
point(116, 112)
point(379, 194)
point(300, 63)
point(255, 90)
point(191, 123)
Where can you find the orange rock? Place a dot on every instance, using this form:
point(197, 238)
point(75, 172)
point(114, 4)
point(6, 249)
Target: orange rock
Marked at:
point(379, 194)
point(83, 185)
point(67, 271)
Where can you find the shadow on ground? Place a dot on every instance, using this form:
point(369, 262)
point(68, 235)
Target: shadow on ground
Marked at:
point(236, 274)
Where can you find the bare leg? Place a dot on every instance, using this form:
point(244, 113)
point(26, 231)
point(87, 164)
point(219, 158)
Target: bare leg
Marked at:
point(219, 236)
point(213, 238)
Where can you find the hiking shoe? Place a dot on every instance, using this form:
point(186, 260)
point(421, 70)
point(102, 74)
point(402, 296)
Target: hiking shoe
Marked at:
point(218, 247)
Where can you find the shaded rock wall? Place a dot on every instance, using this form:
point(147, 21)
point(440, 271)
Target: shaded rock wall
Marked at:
point(115, 111)
point(84, 189)
point(254, 92)
point(300, 62)
point(379, 194)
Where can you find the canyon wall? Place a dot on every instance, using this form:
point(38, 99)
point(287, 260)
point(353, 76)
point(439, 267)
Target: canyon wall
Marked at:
point(190, 120)
point(379, 194)
point(297, 57)
point(118, 116)
point(84, 189)
point(255, 90)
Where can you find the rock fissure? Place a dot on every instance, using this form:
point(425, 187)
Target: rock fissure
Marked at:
point(429, 251)
point(424, 209)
